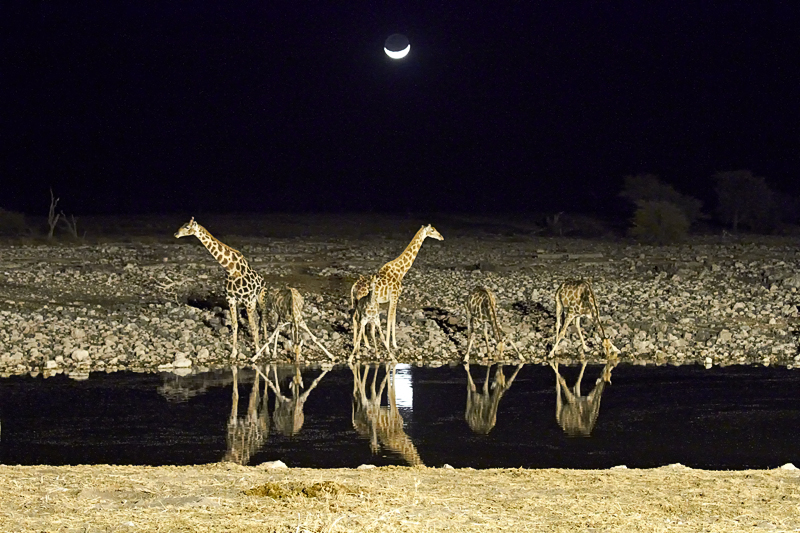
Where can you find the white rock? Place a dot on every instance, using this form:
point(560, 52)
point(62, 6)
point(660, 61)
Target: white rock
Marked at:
point(447, 467)
point(50, 364)
point(80, 355)
point(273, 464)
point(788, 466)
point(365, 467)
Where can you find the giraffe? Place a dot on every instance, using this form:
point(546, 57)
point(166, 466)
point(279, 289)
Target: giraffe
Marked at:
point(390, 280)
point(287, 413)
point(286, 307)
point(383, 426)
point(482, 308)
point(243, 286)
point(481, 412)
point(367, 312)
point(578, 415)
point(245, 436)
point(575, 299)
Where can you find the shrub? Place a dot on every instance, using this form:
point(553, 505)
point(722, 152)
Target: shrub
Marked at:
point(659, 223)
point(649, 188)
point(12, 223)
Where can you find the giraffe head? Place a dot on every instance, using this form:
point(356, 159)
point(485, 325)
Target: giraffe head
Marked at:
point(430, 231)
point(611, 351)
point(190, 228)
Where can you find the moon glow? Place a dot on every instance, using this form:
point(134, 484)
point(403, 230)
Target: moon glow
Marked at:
point(397, 46)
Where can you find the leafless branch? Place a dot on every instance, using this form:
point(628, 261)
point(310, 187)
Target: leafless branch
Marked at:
point(52, 216)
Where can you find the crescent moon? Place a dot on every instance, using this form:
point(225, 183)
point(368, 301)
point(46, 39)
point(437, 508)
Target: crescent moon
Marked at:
point(397, 54)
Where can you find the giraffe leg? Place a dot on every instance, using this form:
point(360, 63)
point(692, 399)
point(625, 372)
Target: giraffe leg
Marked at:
point(380, 334)
point(316, 341)
point(371, 326)
point(357, 334)
point(262, 312)
point(486, 339)
point(275, 335)
point(252, 320)
point(559, 313)
point(560, 335)
point(390, 321)
point(580, 334)
point(234, 325)
point(469, 343)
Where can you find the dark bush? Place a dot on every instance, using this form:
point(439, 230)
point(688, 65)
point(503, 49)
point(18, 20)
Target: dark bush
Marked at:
point(659, 223)
point(649, 188)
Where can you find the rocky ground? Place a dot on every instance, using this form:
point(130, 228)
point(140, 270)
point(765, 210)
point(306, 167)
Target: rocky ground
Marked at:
point(135, 297)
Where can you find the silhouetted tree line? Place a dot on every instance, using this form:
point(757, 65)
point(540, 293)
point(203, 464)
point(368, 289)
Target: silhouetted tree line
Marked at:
point(744, 202)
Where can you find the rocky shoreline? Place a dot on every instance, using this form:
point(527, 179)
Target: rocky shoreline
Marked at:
point(150, 306)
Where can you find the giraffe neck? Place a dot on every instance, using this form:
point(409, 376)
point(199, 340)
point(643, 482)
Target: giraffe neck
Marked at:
point(406, 259)
point(230, 259)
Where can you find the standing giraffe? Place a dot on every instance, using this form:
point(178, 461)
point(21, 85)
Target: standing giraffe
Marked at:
point(243, 286)
point(575, 299)
point(367, 312)
point(390, 280)
point(482, 307)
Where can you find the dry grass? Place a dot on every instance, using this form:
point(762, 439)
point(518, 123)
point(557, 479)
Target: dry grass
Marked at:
point(228, 497)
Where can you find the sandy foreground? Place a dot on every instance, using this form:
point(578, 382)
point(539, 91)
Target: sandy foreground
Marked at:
point(229, 497)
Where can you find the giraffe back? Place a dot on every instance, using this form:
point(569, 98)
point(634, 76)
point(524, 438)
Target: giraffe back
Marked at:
point(481, 306)
point(286, 305)
point(575, 296)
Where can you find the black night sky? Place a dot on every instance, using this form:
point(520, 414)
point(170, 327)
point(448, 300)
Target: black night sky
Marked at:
point(261, 106)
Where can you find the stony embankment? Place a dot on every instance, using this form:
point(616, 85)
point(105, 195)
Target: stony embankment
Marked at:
point(149, 306)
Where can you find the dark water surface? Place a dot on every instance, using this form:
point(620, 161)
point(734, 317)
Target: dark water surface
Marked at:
point(722, 418)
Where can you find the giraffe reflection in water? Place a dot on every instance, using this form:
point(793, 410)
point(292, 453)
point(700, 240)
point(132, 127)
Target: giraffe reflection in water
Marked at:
point(383, 426)
point(287, 414)
point(246, 435)
point(577, 414)
point(481, 413)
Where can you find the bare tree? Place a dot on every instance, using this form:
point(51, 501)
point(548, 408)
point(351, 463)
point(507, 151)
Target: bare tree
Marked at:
point(71, 223)
point(52, 216)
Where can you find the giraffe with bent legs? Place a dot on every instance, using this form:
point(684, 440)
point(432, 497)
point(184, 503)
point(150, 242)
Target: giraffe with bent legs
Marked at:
point(286, 307)
point(575, 299)
point(244, 285)
point(482, 308)
point(389, 285)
